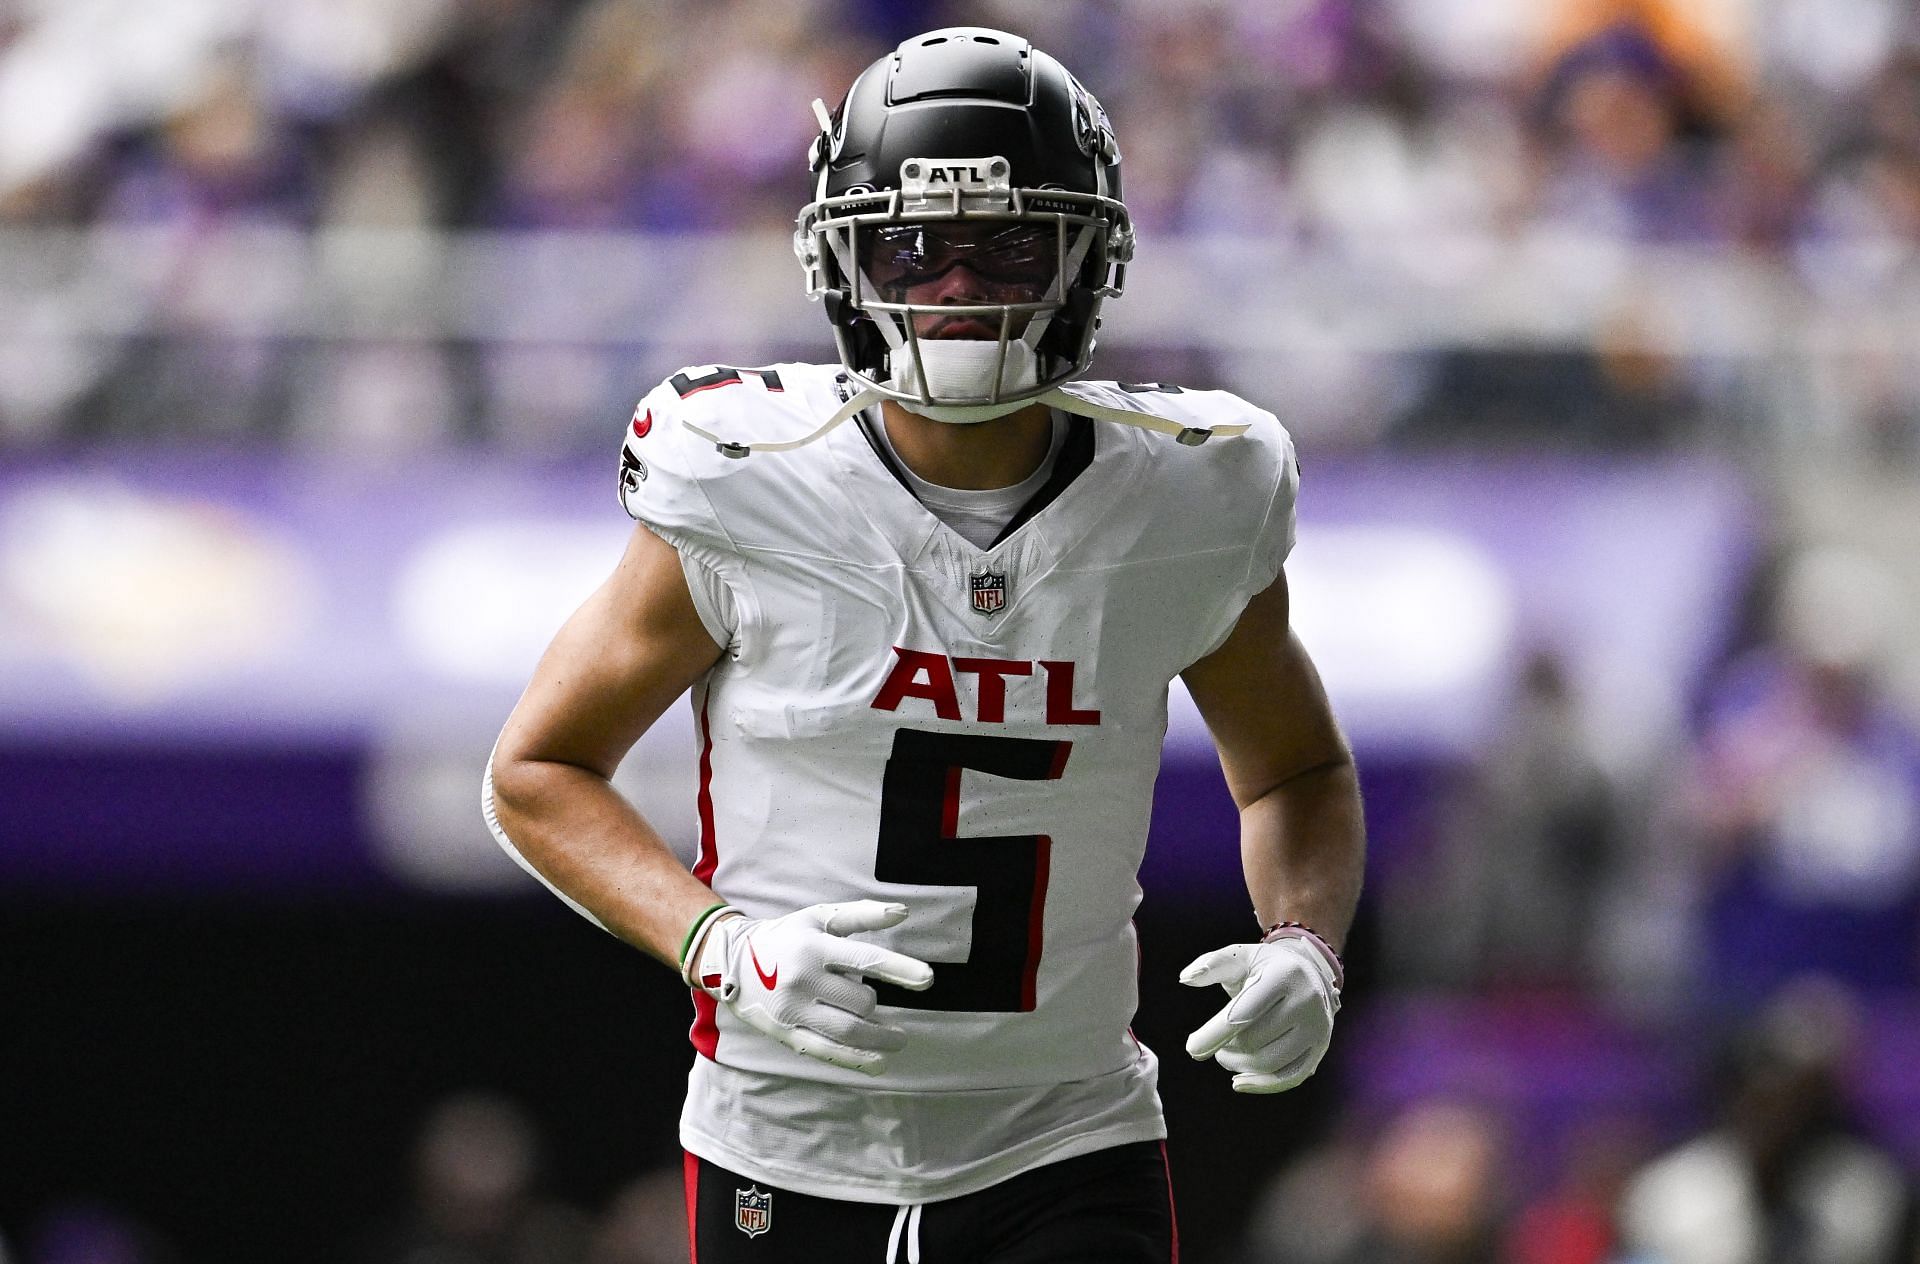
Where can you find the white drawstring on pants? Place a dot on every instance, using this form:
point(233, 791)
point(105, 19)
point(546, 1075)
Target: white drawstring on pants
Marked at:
point(909, 1219)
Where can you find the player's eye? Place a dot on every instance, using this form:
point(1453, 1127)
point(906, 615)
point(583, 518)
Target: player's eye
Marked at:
point(1019, 242)
point(1017, 254)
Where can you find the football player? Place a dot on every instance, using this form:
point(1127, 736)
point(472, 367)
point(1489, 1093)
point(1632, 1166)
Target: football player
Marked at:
point(929, 601)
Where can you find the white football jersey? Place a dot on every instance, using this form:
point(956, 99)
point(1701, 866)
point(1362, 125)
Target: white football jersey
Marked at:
point(973, 733)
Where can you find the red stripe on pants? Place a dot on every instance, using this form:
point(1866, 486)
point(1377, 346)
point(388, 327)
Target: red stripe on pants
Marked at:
point(693, 1205)
point(1173, 1221)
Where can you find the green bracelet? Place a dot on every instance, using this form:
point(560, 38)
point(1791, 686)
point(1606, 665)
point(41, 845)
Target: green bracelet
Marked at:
point(693, 931)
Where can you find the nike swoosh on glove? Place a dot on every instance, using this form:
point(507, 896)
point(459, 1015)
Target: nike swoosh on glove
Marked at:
point(1275, 1030)
point(798, 979)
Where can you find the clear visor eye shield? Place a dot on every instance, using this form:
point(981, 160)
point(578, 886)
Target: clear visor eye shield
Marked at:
point(963, 275)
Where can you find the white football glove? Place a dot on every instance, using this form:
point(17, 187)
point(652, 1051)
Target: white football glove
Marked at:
point(799, 980)
point(1274, 1032)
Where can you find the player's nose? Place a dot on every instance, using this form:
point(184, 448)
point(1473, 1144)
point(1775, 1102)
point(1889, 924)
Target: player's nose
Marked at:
point(959, 284)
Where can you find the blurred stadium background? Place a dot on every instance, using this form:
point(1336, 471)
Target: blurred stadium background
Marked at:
point(1598, 326)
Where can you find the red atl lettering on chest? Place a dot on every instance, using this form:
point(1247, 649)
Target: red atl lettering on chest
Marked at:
point(929, 676)
point(918, 674)
point(993, 673)
point(1060, 708)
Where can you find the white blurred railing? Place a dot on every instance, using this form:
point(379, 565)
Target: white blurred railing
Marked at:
point(1814, 353)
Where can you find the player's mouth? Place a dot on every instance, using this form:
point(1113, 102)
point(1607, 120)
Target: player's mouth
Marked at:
point(969, 327)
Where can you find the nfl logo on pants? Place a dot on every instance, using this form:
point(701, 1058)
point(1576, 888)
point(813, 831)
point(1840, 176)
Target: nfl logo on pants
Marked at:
point(752, 1210)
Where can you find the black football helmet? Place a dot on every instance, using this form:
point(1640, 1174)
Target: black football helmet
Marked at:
point(965, 145)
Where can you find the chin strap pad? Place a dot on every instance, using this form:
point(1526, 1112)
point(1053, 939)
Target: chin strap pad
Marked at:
point(1192, 436)
point(1064, 400)
point(860, 401)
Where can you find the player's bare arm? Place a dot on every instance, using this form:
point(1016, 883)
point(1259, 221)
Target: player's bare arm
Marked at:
point(1288, 767)
point(1302, 846)
point(635, 646)
point(620, 661)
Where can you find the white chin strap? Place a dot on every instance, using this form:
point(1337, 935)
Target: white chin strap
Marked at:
point(965, 368)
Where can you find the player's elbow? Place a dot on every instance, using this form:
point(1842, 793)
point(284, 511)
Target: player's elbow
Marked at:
point(501, 789)
point(522, 791)
point(514, 779)
point(511, 811)
point(514, 788)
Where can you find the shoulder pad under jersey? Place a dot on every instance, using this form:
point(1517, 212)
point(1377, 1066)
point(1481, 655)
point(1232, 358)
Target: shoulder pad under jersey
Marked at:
point(677, 482)
point(1248, 480)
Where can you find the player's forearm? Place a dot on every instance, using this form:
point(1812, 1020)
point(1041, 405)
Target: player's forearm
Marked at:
point(1303, 848)
point(592, 845)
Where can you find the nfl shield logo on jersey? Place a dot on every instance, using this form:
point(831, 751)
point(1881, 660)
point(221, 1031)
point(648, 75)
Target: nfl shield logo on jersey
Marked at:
point(753, 1210)
point(989, 592)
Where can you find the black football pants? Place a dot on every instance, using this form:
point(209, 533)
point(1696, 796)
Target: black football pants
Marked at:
point(1113, 1206)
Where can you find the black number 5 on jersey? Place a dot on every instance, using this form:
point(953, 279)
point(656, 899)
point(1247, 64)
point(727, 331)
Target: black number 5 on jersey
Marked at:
point(919, 811)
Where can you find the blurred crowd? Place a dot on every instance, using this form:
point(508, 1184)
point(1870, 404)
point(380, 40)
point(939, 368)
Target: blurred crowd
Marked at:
point(1731, 930)
point(1777, 1172)
point(1777, 835)
point(477, 1191)
point(1782, 125)
point(1381, 146)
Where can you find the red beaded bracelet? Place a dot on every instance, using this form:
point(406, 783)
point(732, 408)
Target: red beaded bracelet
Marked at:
point(1300, 930)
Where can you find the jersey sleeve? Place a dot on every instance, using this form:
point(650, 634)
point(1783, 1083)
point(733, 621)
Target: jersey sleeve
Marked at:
point(1274, 540)
point(661, 488)
point(1258, 483)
